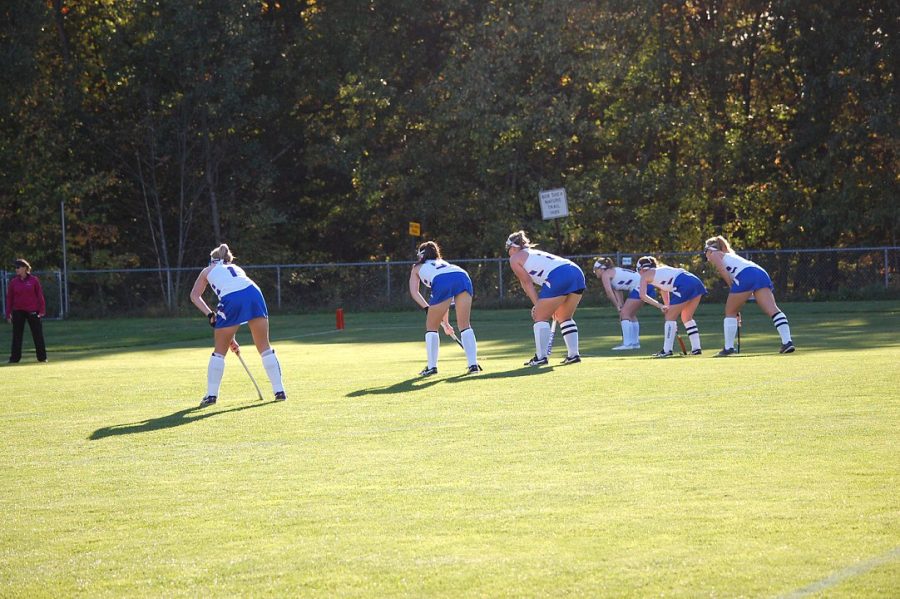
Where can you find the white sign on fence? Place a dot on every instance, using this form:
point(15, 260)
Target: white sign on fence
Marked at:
point(554, 203)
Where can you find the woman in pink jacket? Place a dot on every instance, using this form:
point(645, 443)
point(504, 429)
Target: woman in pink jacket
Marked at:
point(25, 301)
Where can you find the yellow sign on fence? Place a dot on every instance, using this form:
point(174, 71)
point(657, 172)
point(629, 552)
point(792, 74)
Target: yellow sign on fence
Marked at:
point(415, 229)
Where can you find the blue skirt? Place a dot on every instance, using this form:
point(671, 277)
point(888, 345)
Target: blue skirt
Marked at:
point(448, 285)
point(636, 293)
point(563, 280)
point(687, 287)
point(240, 307)
point(751, 279)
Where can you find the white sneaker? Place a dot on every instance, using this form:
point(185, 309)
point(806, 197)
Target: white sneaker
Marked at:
point(635, 346)
point(621, 347)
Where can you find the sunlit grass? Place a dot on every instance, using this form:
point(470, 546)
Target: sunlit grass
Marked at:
point(756, 475)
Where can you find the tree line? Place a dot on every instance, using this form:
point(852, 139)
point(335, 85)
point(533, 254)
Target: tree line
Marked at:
point(316, 130)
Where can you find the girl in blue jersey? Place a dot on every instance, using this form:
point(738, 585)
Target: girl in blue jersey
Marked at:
point(449, 284)
point(745, 278)
point(562, 286)
point(683, 291)
point(240, 302)
point(621, 287)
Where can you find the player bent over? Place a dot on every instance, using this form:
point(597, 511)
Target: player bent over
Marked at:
point(562, 287)
point(683, 291)
point(448, 283)
point(745, 278)
point(240, 302)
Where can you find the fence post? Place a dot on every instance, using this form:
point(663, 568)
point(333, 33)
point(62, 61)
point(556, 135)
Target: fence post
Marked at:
point(59, 285)
point(500, 279)
point(887, 279)
point(278, 286)
point(387, 268)
point(3, 290)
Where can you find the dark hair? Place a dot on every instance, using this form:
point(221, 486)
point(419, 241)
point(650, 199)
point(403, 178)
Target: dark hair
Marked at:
point(428, 251)
point(22, 262)
point(645, 262)
point(603, 263)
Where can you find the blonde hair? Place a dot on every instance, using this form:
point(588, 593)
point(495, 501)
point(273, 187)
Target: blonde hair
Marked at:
point(718, 243)
point(428, 251)
point(222, 254)
point(22, 262)
point(519, 239)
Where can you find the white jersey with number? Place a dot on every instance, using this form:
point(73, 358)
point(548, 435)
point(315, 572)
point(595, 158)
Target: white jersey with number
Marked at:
point(227, 278)
point(540, 264)
point(664, 277)
point(734, 264)
point(625, 280)
point(432, 268)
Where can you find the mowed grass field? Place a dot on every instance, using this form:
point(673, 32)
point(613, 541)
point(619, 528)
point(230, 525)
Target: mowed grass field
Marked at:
point(759, 475)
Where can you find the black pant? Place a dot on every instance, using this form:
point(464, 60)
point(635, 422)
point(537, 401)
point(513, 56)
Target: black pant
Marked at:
point(37, 333)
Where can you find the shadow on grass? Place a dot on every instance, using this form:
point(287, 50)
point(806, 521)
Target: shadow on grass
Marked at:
point(418, 383)
point(178, 418)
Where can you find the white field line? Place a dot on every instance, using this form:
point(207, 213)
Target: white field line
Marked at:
point(842, 575)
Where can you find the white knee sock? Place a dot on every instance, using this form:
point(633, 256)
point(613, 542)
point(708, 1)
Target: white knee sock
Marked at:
point(569, 332)
point(626, 332)
point(669, 335)
point(635, 332)
point(693, 333)
point(541, 338)
point(273, 369)
point(432, 345)
point(730, 331)
point(214, 373)
point(470, 345)
point(781, 325)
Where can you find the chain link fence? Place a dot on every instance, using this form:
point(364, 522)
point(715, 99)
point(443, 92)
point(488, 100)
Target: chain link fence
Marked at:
point(799, 275)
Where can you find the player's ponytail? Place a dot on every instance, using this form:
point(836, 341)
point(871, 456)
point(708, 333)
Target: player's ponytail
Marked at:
point(222, 254)
point(718, 243)
point(428, 251)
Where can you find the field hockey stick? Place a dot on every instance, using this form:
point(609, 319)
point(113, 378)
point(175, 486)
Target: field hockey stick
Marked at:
point(681, 344)
point(253, 380)
point(552, 335)
point(739, 333)
point(455, 338)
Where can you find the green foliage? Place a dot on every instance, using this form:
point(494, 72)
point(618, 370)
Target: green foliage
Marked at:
point(304, 131)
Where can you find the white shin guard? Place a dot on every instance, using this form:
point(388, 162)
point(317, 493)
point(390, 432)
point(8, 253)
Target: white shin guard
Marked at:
point(432, 345)
point(214, 373)
point(541, 338)
point(731, 327)
point(569, 332)
point(273, 369)
point(693, 333)
point(671, 328)
point(467, 338)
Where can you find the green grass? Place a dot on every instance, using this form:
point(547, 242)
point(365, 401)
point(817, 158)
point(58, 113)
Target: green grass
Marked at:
point(759, 475)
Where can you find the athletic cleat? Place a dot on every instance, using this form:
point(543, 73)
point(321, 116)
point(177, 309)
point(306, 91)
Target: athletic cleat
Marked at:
point(571, 360)
point(663, 354)
point(207, 401)
point(474, 369)
point(696, 352)
point(280, 396)
point(634, 346)
point(428, 371)
point(725, 352)
point(621, 347)
point(535, 361)
point(787, 348)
